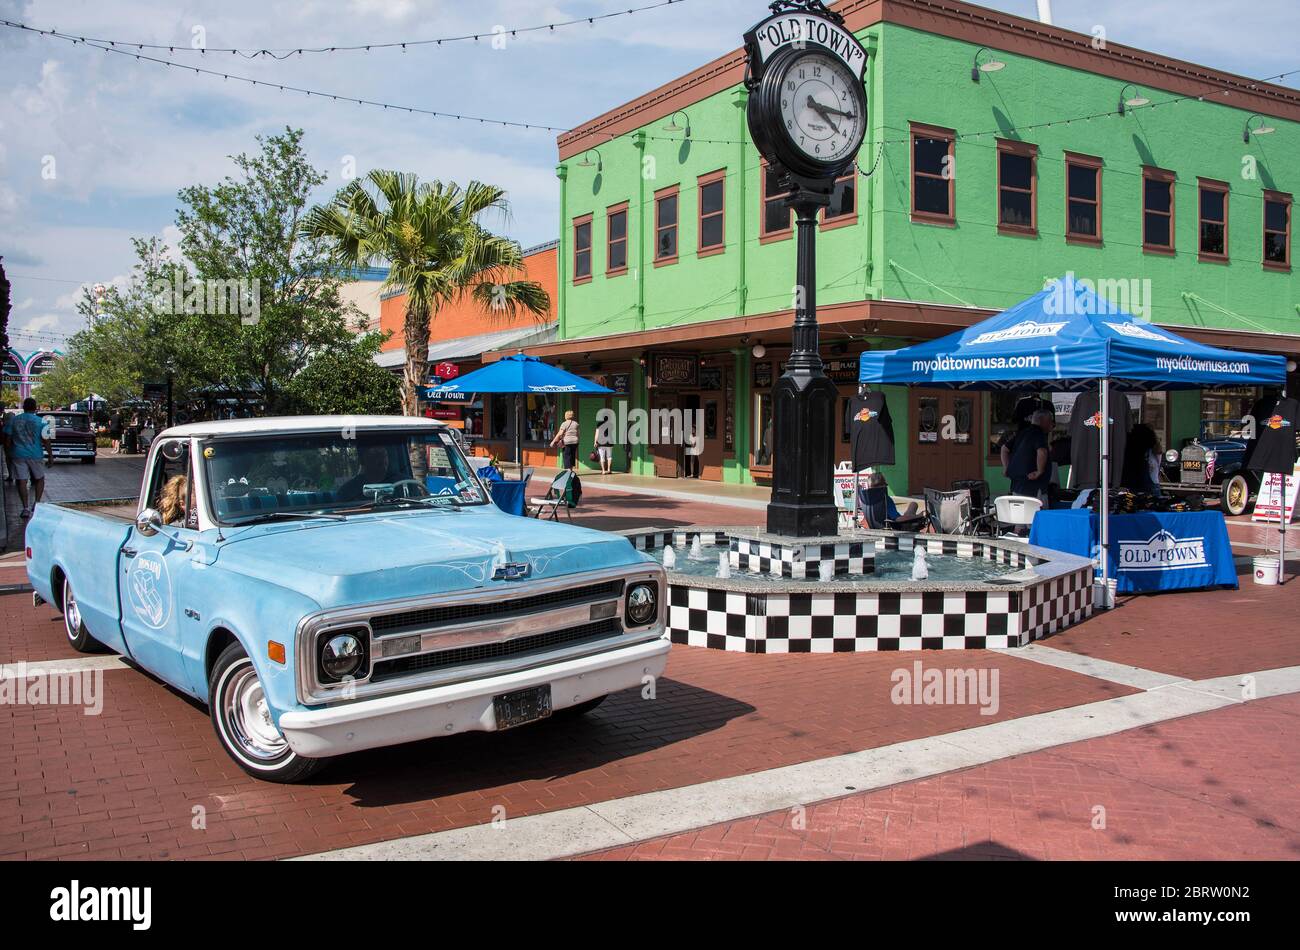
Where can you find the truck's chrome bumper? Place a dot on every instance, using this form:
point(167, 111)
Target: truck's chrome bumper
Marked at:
point(465, 707)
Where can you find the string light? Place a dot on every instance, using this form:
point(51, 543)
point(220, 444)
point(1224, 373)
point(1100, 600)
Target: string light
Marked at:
point(286, 52)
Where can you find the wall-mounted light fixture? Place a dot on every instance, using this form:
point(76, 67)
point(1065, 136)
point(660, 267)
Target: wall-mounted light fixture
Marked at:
point(588, 163)
point(988, 66)
point(1262, 129)
point(672, 125)
point(1133, 101)
point(759, 351)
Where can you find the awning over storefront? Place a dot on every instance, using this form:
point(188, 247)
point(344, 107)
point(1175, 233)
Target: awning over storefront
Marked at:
point(474, 346)
point(1068, 336)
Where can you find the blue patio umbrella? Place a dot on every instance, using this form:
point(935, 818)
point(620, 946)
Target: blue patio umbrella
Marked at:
point(519, 375)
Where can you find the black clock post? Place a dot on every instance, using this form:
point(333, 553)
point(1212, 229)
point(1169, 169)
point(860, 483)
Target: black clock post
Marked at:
point(807, 116)
point(804, 399)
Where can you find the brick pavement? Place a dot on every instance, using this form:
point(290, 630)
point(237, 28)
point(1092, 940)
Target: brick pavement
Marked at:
point(125, 783)
point(1214, 786)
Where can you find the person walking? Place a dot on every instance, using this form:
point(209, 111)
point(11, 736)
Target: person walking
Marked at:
point(567, 436)
point(27, 443)
point(604, 445)
point(115, 431)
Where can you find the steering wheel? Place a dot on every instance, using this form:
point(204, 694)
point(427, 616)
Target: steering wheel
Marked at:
point(410, 488)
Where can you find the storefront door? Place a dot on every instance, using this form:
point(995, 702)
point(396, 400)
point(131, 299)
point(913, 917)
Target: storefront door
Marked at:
point(944, 440)
point(666, 450)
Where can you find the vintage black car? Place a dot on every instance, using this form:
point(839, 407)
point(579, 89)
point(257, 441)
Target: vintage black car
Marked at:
point(1210, 467)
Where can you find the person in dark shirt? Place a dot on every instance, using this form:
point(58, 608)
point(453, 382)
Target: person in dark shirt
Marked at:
point(1027, 466)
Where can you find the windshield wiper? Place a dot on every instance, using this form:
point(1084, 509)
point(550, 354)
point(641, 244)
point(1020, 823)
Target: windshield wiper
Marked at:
point(272, 515)
point(431, 502)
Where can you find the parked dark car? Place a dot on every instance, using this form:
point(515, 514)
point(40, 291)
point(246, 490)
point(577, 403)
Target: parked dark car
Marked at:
point(73, 436)
point(1209, 468)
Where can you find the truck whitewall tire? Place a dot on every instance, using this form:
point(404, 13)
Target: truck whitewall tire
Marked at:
point(244, 725)
point(74, 626)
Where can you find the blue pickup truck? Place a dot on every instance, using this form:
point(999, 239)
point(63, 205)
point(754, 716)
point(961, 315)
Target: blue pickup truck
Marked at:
point(330, 584)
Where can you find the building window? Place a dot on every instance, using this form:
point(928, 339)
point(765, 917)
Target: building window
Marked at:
point(713, 203)
point(616, 240)
point(1277, 230)
point(582, 249)
point(1157, 210)
point(1214, 220)
point(776, 215)
point(932, 174)
point(1017, 187)
point(666, 226)
point(1082, 198)
point(843, 208)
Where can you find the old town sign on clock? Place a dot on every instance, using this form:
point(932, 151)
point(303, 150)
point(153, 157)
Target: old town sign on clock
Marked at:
point(807, 108)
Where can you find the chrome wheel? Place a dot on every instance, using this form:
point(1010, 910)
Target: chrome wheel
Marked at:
point(248, 717)
point(71, 612)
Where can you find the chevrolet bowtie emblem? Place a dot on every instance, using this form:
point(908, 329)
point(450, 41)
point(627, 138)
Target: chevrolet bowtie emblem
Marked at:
point(511, 571)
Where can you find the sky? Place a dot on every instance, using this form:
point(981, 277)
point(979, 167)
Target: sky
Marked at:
point(94, 146)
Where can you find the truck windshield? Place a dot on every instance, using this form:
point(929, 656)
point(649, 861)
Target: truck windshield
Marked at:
point(251, 478)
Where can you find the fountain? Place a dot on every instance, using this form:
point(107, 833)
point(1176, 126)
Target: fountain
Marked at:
point(697, 549)
point(920, 569)
point(724, 566)
point(670, 557)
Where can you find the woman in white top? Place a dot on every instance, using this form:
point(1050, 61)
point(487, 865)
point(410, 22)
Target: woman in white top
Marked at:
point(567, 435)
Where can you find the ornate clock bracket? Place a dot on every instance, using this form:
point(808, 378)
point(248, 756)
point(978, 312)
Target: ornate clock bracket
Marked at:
point(816, 7)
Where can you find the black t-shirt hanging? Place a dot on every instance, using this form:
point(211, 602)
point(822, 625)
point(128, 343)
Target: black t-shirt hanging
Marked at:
point(1275, 450)
point(871, 431)
point(1260, 412)
point(1085, 441)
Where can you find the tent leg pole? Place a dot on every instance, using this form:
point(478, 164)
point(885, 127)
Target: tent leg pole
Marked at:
point(1281, 545)
point(1104, 526)
point(519, 436)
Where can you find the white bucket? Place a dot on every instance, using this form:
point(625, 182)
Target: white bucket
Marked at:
point(1103, 593)
point(1266, 570)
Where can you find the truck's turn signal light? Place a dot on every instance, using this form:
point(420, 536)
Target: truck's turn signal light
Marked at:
point(275, 651)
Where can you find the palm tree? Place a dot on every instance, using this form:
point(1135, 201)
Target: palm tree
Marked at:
point(430, 237)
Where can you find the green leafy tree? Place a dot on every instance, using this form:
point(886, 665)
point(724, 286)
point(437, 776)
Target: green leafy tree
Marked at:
point(248, 228)
point(430, 236)
point(346, 381)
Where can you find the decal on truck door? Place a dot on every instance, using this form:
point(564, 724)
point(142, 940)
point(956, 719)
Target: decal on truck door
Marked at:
point(150, 589)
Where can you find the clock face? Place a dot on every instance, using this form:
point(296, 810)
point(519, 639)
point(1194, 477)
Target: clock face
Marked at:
point(822, 108)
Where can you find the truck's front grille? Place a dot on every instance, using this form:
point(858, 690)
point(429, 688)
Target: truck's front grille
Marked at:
point(1192, 464)
point(502, 608)
point(480, 653)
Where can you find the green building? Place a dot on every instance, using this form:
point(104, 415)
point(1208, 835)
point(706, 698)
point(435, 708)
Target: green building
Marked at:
point(1000, 152)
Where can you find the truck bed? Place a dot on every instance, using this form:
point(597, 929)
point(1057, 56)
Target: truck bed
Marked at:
point(116, 509)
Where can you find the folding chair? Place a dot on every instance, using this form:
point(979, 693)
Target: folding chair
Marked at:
point(949, 512)
point(874, 503)
point(556, 497)
point(1015, 513)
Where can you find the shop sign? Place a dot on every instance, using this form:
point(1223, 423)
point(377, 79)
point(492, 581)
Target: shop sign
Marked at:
point(621, 383)
point(711, 377)
point(672, 370)
point(762, 375)
point(445, 371)
point(444, 414)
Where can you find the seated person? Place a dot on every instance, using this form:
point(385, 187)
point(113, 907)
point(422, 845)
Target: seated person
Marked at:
point(375, 470)
point(172, 498)
point(876, 480)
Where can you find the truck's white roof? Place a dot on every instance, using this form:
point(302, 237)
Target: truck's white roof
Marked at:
point(279, 424)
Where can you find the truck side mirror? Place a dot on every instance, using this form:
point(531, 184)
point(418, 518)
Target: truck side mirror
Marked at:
point(148, 522)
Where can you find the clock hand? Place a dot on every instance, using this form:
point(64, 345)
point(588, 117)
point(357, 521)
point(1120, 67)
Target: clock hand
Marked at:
point(818, 107)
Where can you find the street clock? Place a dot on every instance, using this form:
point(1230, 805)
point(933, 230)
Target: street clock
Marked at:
point(807, 109)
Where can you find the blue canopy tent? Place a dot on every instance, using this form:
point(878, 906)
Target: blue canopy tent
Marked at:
point(519, 375)
point(1068, 337)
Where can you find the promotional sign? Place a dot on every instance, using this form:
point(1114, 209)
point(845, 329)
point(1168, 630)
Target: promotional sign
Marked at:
point(1269, 501)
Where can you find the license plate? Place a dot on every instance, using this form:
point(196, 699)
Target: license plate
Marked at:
point(521, 706)
point(1190, 466)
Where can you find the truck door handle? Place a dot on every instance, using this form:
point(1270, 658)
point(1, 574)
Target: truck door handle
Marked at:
point(128, 552)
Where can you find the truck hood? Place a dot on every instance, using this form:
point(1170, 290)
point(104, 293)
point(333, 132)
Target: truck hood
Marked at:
point(413, 553)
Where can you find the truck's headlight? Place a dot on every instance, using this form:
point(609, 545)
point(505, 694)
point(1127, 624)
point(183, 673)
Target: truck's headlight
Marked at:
point(341, 655)
point(1171, 455)
point(1211, 456)
point(642, 604)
